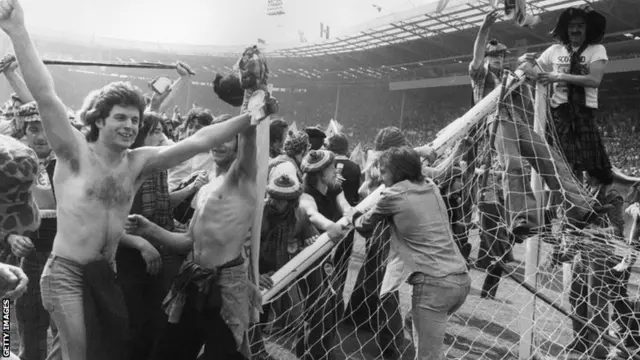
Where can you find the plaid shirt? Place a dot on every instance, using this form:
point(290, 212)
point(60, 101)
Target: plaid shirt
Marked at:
point(483, 81)
point(154, 200)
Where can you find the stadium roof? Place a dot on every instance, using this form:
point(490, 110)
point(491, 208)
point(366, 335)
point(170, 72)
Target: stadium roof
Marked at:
point(412, 44)
point(419, 44)
point(420, 23)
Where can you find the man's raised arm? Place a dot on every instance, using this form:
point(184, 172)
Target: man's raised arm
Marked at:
point(39, 82)
point(481, 40)
point(166, 157)
point(245, 164)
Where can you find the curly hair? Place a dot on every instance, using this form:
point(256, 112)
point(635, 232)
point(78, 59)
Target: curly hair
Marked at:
point(200, 115)
point(99, 103)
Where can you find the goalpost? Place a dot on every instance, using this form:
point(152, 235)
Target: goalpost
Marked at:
point(527, 318)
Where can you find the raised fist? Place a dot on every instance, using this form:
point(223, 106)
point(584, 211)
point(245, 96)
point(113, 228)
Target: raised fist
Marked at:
point(11, 16)
point(490, 18)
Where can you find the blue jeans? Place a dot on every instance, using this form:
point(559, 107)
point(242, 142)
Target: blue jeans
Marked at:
point(433, 300)
point(33, 319)
point(62, 287)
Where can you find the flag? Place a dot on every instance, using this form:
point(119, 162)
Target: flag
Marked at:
point(442, 4)
point(293, 127)
point(262, 42)
point(324, 31)
point(517, 10)
point(303, 39)
point(357, 156)
point(333, 128)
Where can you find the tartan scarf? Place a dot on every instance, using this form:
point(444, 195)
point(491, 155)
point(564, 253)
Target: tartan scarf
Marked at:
point(282, 228)
point(155, 203)
point(576, 94)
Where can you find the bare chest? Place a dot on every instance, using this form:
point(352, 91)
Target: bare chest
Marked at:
point(113, 187)
point(225, 212)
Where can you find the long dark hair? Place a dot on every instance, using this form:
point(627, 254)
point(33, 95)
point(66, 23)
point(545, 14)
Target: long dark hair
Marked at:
point(596, 24)
point(150, 121)
point(403, 163)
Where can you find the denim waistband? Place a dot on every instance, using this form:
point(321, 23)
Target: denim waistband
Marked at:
point(419, 278)
point(63, 260)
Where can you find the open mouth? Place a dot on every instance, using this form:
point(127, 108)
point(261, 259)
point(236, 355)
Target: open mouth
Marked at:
point(126, 136)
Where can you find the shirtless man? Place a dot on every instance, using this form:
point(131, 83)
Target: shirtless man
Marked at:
point(209, 303)
point(95, 178)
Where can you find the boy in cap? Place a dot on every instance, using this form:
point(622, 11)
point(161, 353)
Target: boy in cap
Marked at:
point(286, 230)
point(325, 205)
point(488, 57)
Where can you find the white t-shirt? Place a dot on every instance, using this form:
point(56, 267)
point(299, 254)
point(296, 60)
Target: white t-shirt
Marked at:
point(558, 59)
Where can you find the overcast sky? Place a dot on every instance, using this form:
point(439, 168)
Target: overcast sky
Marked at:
point(205, 22)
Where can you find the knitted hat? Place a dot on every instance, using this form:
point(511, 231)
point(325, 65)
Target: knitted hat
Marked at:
point(338, 144)
point(18, 171)
point(389, 137)
point(29, 112)
point(495, 48)
point(296, 143)
point(283, 187)
point(317, 160)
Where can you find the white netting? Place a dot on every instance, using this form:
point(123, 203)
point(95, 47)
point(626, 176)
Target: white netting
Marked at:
point(334, 306)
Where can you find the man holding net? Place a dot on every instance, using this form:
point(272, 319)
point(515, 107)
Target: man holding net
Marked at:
point(575, 68)
point(601, 275)
point(515, 141)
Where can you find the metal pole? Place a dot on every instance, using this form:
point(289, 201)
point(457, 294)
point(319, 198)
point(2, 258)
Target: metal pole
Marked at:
point(335, 114)
point(402, 110)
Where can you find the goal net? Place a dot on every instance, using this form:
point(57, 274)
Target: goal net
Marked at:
point(543, 257)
